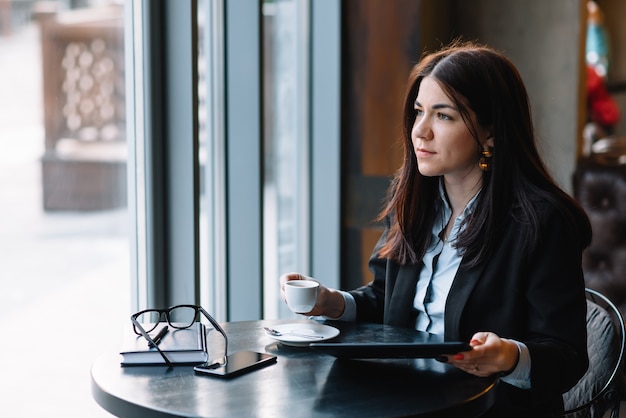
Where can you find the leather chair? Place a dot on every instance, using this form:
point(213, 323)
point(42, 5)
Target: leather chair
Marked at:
point(598, 393)
point(600, 187)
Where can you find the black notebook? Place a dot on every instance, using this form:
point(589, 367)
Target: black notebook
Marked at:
point(181, 346)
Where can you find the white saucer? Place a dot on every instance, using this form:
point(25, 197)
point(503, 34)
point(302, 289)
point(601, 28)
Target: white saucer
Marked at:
point(325, 332)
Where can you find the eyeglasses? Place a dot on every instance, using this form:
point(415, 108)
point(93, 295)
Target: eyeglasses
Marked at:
point(179, 317)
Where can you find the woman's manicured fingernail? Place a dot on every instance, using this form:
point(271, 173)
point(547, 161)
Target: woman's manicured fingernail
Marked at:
point(459, 356)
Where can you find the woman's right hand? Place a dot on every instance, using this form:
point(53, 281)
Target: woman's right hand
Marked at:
point(330, 302)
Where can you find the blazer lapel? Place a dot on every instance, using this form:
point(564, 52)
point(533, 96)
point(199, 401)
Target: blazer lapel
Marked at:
point(401, 288)
point(462, 286)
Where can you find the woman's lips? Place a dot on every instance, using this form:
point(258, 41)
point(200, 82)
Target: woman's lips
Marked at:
point(422, 153)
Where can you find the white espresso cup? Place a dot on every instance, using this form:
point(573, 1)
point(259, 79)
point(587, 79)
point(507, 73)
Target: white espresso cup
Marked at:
point(301, 295)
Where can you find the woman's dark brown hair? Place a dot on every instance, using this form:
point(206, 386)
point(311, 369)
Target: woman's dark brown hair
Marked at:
point(481, 80)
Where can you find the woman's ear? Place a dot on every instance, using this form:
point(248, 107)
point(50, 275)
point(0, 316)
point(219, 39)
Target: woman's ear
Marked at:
point(485, 134)
point(489, 140)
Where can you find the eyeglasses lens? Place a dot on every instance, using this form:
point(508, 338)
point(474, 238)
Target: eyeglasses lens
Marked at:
point(149, 320)
point(182, 316)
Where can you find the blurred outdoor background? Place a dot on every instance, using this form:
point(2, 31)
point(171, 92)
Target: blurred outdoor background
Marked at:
point(64, 270)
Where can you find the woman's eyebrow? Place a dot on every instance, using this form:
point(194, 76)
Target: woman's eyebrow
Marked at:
point(437, 106)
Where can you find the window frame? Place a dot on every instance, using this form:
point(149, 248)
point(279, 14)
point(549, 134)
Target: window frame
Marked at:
point(162, 54)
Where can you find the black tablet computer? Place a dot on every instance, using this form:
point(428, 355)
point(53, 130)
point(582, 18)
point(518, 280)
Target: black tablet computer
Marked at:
point(416, 349)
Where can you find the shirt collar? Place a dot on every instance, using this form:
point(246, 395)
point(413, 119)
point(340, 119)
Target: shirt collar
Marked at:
point(469, 208)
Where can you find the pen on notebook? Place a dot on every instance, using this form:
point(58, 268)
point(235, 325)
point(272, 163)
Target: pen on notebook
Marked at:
point(159, 336)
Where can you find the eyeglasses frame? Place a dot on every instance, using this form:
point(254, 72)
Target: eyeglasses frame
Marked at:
point(166, 311)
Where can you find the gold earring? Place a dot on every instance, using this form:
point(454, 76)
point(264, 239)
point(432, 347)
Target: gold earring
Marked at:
point(485, 158)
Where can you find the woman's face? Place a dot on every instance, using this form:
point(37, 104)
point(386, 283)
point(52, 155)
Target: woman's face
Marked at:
point(443, 144)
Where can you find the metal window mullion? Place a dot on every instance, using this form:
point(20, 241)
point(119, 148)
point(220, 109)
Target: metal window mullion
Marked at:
point(144, 117)
point(303, 129)
point(325, 140)
point(134, 57)
point(181, 150)
point(162, 102)
point(244, 157)
point(213, 281)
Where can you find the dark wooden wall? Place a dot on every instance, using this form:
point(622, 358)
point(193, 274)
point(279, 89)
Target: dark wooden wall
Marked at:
point(380, 43)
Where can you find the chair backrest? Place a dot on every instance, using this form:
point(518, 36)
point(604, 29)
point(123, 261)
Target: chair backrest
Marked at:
point(599, 389)
point(600, 188)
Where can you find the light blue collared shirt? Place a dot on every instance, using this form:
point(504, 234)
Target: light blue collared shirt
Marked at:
point(440, 264)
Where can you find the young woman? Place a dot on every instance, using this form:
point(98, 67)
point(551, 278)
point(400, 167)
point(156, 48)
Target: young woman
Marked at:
point(480, 243)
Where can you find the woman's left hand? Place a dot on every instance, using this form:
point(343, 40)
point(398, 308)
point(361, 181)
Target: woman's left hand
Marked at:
point(489, 354)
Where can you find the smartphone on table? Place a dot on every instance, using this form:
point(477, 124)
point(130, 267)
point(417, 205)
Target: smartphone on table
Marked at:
point(236, 364)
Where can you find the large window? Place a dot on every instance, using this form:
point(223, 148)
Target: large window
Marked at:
point(65, 269)
point(171, 152)
point(269, 150)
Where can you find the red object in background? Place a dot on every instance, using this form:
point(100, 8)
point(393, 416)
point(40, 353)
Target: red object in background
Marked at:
point(603, 109)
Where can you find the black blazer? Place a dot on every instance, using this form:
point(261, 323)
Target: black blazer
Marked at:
point(535, 296)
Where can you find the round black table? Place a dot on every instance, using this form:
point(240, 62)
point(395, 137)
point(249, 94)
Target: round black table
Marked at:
point(302, 383)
